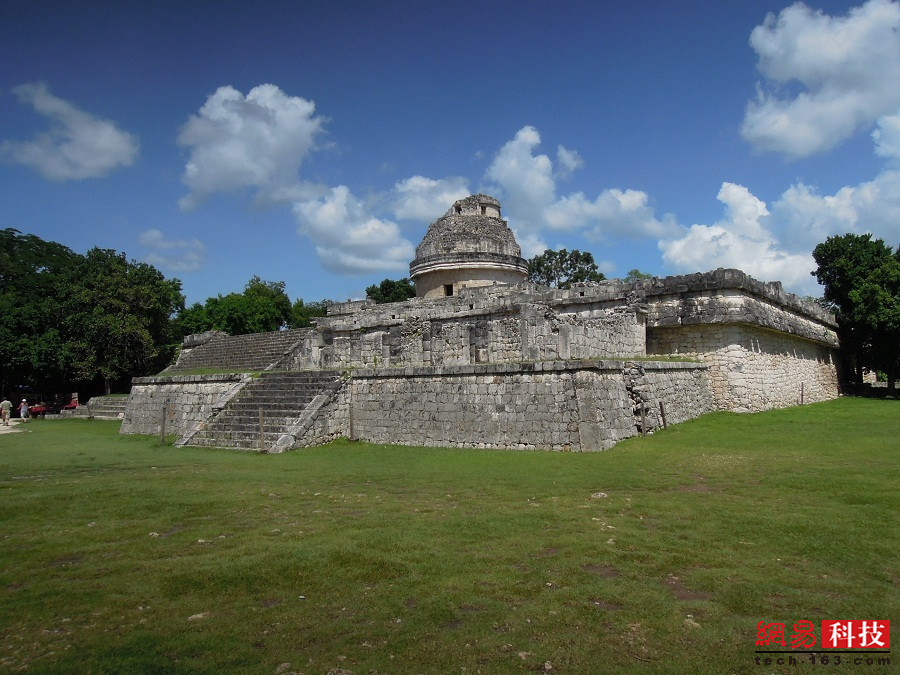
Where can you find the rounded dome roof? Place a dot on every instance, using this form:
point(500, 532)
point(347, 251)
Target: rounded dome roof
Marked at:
point(471, 226)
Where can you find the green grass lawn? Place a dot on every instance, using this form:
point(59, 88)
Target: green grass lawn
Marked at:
point(660, 555)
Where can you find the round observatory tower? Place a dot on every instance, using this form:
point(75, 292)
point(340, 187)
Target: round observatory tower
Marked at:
point(470, 245)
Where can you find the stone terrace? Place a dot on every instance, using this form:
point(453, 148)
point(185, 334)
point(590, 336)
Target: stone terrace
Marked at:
point(239, 353)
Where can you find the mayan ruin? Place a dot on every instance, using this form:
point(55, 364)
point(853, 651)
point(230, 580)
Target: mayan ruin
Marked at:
point(483, 359)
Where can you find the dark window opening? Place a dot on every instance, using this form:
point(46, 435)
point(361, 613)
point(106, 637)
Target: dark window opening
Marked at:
point(448, 289)
point(483, 210)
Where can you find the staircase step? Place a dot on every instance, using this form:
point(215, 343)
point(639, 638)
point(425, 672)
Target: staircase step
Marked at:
point(283, 398)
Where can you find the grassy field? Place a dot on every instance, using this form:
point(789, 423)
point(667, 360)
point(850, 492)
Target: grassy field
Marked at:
point(660, 555)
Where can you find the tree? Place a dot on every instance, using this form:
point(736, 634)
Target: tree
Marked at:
point(68, 320)
point(33, 350)
point(861, 278)
point(302, 313)
point(390, 290)
point(636, 275)
point(561, 269)
point(119, 315)
point(262, 307)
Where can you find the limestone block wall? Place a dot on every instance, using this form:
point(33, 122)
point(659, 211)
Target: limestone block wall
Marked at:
point(471, 330)
point(561, 405)
point(738, 306)
point(188, 400)
point(683, 388)
point(752, 368)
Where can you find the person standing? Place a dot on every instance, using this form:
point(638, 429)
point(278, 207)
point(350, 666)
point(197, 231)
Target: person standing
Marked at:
point(5, 408)
point(23, 410)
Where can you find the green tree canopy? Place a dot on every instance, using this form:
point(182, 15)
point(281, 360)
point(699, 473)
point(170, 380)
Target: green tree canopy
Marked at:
point(861, 277)
point(68, 319)
point(33, 348)
point(263, 306)
point(561, 269)
point(119, 314)
point(390, 290)
point(636, 275)
point(302, 313)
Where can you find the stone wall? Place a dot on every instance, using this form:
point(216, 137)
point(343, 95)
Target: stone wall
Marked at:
point(736, 307)
point(508, 325)
point(561, 405)
point(752, 368)
point(188, 400)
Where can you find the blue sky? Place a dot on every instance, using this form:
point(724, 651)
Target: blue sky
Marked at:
point(313, 142)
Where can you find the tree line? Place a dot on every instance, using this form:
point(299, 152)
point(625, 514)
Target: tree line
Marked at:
point(72, 321)
point(91, 322)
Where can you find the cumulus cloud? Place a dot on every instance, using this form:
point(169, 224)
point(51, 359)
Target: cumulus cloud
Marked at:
point(77, 145)
point(848, 68)
point(528, 183)
point(808, 218)
point(525, 178)
point(742, 239)
point(613, 213)
point(256, 142)
point(425, 199)
point(531, 244)
point(774, 242)
point(175, 255)
point(887, 138)
point(568, 161)
point(348, 238)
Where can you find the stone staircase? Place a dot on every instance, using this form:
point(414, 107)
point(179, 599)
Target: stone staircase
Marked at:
point(100, 407)
point(239, 353)
point(289, 400)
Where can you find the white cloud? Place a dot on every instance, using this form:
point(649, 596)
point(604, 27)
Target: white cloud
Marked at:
point(887, 137)
point(568, 161)
point(808, 218)
point(777, 243)
point(526, 179)
point(78, 145)
point(743, 240)
point(528, 184)
point(257, 141)
point(348, 238)
point(848, 67)
point(608, 267)
point(425, 199)
point(614, 213)
point(530, 243)
point(176, 255)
